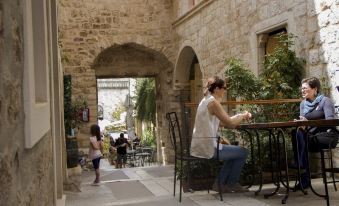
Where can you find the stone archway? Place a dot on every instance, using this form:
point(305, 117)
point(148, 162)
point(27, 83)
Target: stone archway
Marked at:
point(131, 60)
point(188, 73)
point(188, 80)
point(134, 60)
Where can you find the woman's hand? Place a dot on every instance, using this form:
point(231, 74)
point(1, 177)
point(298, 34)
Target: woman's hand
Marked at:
point(301, 118)
point(247, 116)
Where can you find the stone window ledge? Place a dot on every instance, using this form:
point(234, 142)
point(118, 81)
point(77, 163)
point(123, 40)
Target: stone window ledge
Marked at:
point(189, 14)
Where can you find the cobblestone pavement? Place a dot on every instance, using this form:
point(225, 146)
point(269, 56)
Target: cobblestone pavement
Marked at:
point(153, 186)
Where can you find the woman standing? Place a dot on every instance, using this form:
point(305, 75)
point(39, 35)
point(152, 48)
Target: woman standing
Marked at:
point(95, 153)
point(314, 106)
point(209, 114)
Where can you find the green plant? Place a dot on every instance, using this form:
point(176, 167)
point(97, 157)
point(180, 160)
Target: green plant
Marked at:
point(241, 82)
point(198, 169)
point(117, 111)
point(72, 108)
point(77, 106)
point(106, 144)
point(148, 139)
point(67, 103)
point(115, 128)
point(145, 102)
point(325, 86)
point(283, 70)
point(280, 78)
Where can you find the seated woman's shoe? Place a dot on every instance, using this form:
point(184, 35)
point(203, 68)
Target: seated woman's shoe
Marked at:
point(298, 186)
point(224, 188)
point(237, 188)
point(295, 166)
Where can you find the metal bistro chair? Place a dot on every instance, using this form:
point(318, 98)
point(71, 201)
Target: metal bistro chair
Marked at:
point(181, 153)
point(326, 155)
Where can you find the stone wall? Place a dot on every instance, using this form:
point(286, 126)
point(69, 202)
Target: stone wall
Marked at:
point(224, 29)
point(323, 30)
point(26, 175)
point(111, 98)
point(146, 38)
point(324, 50)
point(229, 28)
point(122, 38)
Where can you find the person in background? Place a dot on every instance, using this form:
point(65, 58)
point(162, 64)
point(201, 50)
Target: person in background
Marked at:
point(137, 140)
point(204, 142)
point(121, 144)
point(314, 106)
point(112, 151)
point(95, 151)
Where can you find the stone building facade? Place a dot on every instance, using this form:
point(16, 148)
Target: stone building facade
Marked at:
point(167, 38)
point(113, 95)
point(219, 29)
point(31, 125)
point(164, 39)
point(101, 39)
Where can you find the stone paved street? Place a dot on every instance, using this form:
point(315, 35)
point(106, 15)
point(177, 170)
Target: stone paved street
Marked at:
point(153, 186)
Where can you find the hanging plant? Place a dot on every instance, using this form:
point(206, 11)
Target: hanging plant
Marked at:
point(145, 102)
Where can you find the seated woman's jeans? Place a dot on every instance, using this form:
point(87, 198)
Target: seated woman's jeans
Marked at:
point(234, 158)
point(298, 136)
point(299, 150)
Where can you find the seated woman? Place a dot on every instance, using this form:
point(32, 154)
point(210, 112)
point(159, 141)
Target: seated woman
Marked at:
point(314, 106)
point(204, 144)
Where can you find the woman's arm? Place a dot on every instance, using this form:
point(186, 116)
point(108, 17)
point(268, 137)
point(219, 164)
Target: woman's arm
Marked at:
point(216, 109)
point(101, 145)
point(329, 110)
point(95, 144)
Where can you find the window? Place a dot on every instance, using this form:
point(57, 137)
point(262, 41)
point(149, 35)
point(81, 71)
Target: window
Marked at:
point(272, 41)
point(187, 5)
point(267, 42)
point(36, 71)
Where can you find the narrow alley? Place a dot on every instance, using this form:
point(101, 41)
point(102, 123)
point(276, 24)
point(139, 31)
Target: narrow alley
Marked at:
point(153, 186)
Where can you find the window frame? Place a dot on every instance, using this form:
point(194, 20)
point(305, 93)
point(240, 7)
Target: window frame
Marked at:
point(36, 96)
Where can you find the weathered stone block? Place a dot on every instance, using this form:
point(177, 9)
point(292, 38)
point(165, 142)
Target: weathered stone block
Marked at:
point(96, 26)
point(105, 26)
point(323, 18)
point(1, 24)
point(300, 10)
point(77, 39)
point(334, 16)
point(316, 71)
point(312, 24)
point(324, 55)
point(313, 57)
point(263, 12)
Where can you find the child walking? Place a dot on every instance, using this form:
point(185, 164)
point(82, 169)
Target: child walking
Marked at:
point(95, 148)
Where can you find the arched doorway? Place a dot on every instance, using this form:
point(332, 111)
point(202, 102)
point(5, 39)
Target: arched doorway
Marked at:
point(134, 60)
point(188, 75)
point(188, 79)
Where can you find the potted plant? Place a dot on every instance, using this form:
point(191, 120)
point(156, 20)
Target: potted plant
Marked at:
point(198, 175)
point(279, 79)
point(73, 115)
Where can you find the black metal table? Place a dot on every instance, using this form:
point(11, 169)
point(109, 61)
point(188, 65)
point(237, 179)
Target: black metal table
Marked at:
point(276, 135)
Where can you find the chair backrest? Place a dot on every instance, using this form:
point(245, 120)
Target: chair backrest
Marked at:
point(180, 144)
